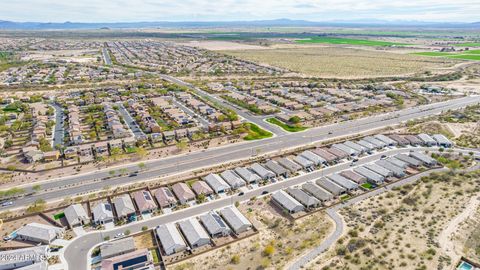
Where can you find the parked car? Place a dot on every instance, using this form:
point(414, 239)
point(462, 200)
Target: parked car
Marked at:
point(7, 238)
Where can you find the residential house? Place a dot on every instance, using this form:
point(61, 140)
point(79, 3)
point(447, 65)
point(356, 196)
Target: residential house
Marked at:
point(39, 233)
point(183, 193)
point(170, 239)
point(76, 215)
point(165, 197)
point(144, 201)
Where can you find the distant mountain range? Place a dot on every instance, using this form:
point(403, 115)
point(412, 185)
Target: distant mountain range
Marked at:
point(9, 25)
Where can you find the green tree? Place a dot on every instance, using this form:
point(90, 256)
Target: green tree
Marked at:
point(294, 120)
point(201, 198)
point(182, 145)
point(141, 165)
point(36, 188)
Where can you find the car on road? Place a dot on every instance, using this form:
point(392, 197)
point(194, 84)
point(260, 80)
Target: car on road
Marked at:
point(383, 156)
point(118, 235)
point(241, 193)
point(133, 174)
point(4, 204)
point(7, 238)
point(330, 132)
point(264, 192)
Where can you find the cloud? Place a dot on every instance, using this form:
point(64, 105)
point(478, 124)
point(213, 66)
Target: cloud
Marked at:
point(227, 10)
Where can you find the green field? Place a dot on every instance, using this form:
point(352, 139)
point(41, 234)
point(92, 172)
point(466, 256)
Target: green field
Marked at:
point(465, 55)
point(475, 57)
point(472, 52)
point(348, 41)
point(286, 127)
point(256, 133)
point(468, 44)
point(432, 53)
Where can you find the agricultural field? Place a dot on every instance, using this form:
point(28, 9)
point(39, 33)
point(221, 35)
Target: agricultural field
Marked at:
point(407, 228)
point(347, 63)
point(464, 55)
point(348, 41)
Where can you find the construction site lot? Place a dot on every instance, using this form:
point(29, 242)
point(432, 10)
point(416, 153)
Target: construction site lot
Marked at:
point(407, 227)
point(334, 62)
point(277, 243)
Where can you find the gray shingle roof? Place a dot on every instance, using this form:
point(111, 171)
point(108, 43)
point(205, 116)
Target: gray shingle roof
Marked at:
point(302, 197)
point(214, 223)
point(117, 247)
point(193, 232)
point(317, 191)
point(43, 232)
point(237, 221)
point(170, 238)
point(247, 175)
point(216, 183)
point(74, 214)
point(124, 205)
point(287, 201)
point(232, 179)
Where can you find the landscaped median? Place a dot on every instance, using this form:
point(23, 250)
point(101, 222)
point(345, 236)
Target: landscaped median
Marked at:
point(286, 127)
point(256, 133)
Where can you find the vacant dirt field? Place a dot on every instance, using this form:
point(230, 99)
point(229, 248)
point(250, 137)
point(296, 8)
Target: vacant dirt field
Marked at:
point(276, 244)
point(402, 229)
point(343, 62)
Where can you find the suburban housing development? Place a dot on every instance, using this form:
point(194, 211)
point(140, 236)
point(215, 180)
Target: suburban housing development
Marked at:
point(259, 144)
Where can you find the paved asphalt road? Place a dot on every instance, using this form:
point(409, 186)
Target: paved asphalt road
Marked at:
point(76, 253)
point(106, 57)
point(131, 123)
point(59, 131)
point(84, 183)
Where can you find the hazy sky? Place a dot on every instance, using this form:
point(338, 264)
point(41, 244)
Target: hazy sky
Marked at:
point(227, 10)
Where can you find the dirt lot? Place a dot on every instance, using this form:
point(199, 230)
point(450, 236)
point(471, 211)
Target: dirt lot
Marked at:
point(343, 62)
point(78, 56)
point(277, 242)
point(401, 229)
point(144, 240)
